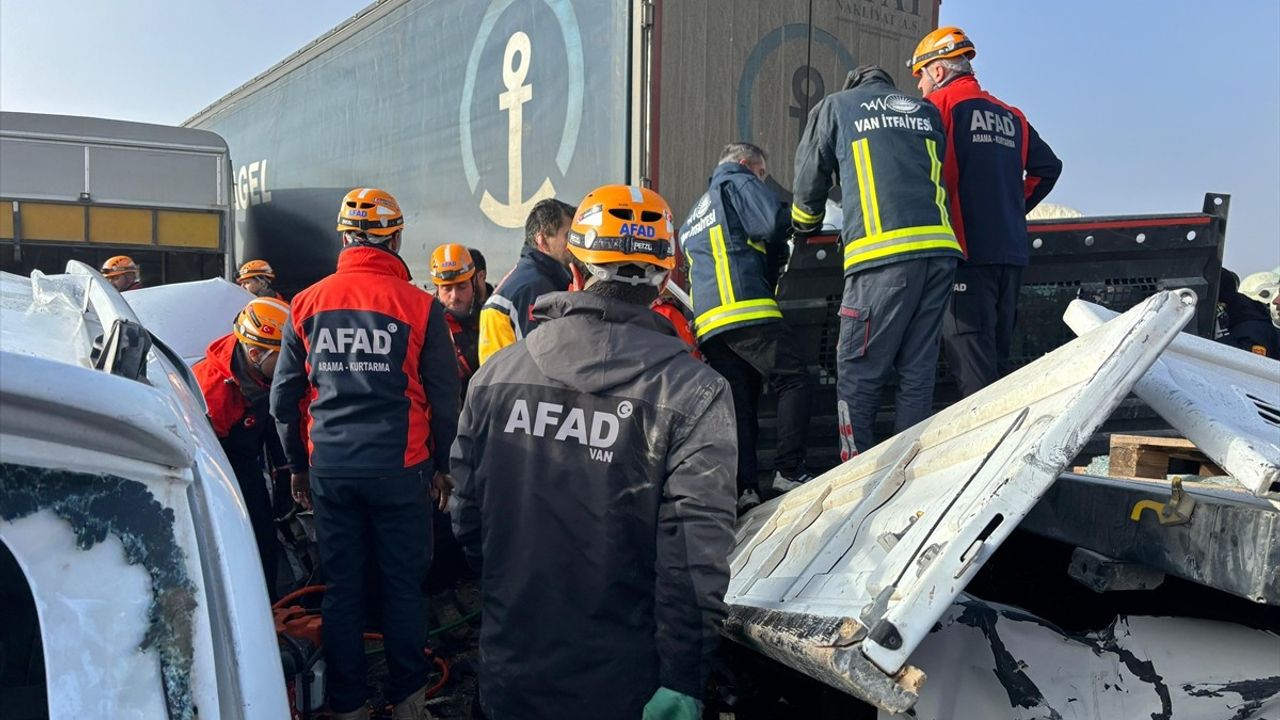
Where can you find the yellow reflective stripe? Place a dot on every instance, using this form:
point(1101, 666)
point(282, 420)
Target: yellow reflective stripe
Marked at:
point(798, 214)
point(863, 195)
point(688, 258)
point(871, 186)
point(744, 305)
point(867, 187)
point(735, 313)
point(935, 174)
point(739, 318)
point(896, 234)
point(724, 281)
point(943, 244)
point(756, 245)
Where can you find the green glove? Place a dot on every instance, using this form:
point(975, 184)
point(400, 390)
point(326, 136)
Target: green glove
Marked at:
point(671, 705)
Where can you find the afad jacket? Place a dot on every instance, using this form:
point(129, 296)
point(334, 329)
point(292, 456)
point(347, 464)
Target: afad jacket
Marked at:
point(243, 426)
point(374, 355)
point(997, 170)
point(595, 489)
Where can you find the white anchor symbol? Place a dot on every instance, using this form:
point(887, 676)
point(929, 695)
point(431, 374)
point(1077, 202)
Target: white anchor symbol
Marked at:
point(514, 211)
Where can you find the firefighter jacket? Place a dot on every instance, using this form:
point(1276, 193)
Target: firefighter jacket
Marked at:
point(725, 242)
point(997, 170)
point(595, 485)
point(373, 354)
point(888, 151)
point(238, 409)
point(466, 343)
point(508, 314)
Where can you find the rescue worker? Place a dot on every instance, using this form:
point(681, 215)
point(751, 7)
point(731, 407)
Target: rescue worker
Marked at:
point(483, 286)
point(900, 252)
point(122, 272)
point(542, 268)
point(458, 290)
point(1243, 315)
point(373, 353)
point(735, 317)
point(1264, 287)
point(595, 491)
point(997, 170)
point(256, 276)
point(235, 377)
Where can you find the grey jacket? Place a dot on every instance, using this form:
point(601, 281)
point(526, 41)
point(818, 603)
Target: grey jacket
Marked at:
point(595, 468)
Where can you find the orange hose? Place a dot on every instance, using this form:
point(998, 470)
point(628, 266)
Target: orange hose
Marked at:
point(444, 677)
point(300, 592)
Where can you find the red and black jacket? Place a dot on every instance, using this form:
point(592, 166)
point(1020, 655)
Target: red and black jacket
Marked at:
point(997, 169)
point(466, 343)
point(373, 354)
point(242, 425)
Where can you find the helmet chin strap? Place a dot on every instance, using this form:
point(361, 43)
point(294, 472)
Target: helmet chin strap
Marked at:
point(653, 275)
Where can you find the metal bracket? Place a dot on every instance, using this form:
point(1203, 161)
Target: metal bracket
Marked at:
point(1176, 511)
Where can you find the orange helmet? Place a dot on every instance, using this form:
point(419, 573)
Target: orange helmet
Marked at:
point(261, 323)
point(451, 264)
point(945, 42)
point(118, 265)
point(255, 268)
point(621, 224)
point(370, 211)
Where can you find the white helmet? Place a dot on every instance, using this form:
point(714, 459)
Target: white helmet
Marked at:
point(1265, 288)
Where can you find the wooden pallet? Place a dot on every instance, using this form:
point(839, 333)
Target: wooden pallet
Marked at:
point(1141, 456)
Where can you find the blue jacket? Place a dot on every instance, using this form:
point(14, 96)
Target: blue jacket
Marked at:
point(725, 244)
point(507, 316)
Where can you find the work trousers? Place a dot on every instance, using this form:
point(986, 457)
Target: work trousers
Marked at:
point(746, 357)
point(978, 330)
point(385, 521)
point(890, 317)
point(257, 500)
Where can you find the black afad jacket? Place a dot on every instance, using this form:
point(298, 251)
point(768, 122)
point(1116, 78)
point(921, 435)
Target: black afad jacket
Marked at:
point(888, 150)
point(595, 482)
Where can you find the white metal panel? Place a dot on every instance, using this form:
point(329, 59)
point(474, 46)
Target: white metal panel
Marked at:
point(188, 316)
point(1003, 662)
point(234, 663)
point(883, 543)
point(1223, 399)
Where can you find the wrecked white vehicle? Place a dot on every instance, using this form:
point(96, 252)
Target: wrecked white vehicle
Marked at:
point(129, 577)
point(856, 579)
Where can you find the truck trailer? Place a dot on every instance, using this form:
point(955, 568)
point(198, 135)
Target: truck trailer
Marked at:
point(471, 112)
point(85, 189)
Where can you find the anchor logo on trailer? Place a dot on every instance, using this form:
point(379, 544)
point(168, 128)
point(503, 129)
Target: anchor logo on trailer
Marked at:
point(517, 58)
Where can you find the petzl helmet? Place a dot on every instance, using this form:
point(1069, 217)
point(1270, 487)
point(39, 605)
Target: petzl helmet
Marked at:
point(451, 264)
point(118, 265)
point(945, 42)
point(370, 211)
point(261, 323)
point(255, 268)
point(623, 225)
